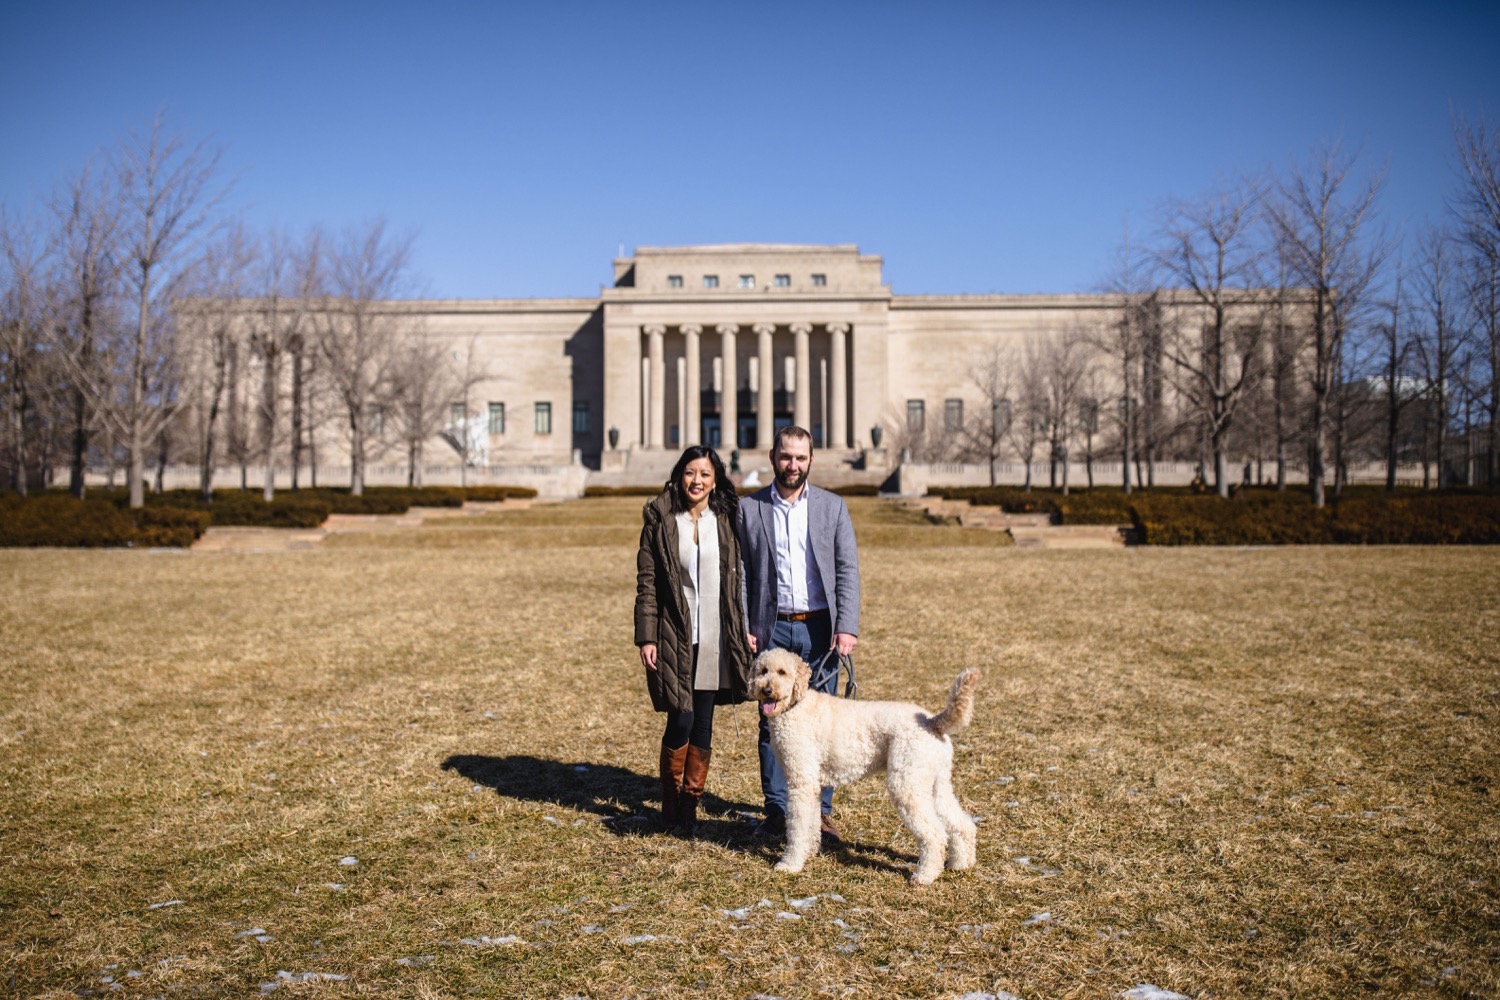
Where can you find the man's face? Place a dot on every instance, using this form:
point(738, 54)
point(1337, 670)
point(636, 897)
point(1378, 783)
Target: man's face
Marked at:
point(792, 460)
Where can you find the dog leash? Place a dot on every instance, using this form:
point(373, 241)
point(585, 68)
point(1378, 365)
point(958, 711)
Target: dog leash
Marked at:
point(821, 673)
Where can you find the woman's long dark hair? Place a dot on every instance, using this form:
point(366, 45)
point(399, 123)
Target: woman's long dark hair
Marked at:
point(722, 500)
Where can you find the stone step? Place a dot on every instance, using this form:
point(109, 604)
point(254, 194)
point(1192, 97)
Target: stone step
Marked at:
point(1031, 531)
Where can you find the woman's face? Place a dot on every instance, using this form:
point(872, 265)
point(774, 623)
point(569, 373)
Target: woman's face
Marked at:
point(698, 480)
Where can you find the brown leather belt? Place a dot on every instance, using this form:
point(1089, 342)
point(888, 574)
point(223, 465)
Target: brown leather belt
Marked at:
point(801, 616)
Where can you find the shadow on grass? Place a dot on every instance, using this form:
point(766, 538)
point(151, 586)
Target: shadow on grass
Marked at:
point(629, 804)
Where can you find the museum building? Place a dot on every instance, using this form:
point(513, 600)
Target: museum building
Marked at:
point(720, 345)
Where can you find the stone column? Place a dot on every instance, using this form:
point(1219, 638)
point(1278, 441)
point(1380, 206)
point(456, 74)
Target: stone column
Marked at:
point(692, 430)
point(765, 409)
point(656, 423)
point(802, 402)
point(729, 404)
point(838, 389)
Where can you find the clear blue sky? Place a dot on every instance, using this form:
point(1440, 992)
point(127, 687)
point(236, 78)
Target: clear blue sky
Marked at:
point(976, 146)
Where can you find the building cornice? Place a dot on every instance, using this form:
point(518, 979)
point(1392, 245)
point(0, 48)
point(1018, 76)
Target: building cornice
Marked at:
point(734, 296)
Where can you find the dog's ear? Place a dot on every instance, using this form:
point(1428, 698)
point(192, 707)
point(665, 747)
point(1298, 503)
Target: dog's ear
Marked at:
point(802, 681)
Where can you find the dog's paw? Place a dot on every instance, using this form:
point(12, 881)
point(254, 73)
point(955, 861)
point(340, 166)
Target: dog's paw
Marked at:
point(790, 867)
point(924, 877)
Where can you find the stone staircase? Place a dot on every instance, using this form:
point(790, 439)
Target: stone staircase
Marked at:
point(236, 539)
point(1031, 531)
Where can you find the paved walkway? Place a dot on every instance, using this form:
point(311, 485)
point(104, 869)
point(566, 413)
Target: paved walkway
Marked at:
point(1031, 531)
point(230, 539)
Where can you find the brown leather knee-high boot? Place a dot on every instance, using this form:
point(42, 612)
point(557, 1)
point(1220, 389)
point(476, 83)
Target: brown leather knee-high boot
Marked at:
point(694, 777)
point(672, 762)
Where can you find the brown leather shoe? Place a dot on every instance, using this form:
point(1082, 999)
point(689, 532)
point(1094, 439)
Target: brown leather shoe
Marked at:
point(694, 777)
point(830, 833)
point(672, 763)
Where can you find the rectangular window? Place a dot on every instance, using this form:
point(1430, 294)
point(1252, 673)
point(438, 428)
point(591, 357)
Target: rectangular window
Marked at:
point(747, 281)
point(710, 281)
point(783, 281)
point(916, 416)
point(1088, 416)
point(819, 280)
point(374, 420)
point(497, 418)
point(456, 414)
point(953, 415)
point(543, 418)
point(580, 416)
point(1001, 416)
point(674, 281)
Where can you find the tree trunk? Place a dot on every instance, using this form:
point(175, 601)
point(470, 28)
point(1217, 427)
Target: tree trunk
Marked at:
point(1317, 451)
point(296, 417)
point(163, 447)
point(18, 411)
point(270, 396)
point(357, 453)
point(78, 464)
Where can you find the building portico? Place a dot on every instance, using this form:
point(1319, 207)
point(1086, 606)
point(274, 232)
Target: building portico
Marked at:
point(691, 361)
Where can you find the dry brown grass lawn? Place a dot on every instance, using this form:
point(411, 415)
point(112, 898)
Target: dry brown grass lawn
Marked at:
point(1230, 773)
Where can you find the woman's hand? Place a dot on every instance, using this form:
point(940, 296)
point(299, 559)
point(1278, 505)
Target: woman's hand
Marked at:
point(648, 656)
point(751, 640)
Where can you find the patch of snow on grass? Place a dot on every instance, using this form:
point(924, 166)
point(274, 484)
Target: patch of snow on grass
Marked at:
point(1150, 991)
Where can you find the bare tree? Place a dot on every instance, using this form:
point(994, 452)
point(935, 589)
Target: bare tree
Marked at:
point(1356, 405)
point(1477, 208)
point(423, 390)
point(1029, 423)
point(287, 286)
point(1065, 368)
point(986, 431)
point(214, 315)
point(1122, 341)
point(1321, 214)
point(25, 313)
point(87, 213)
point(1286, 340)
point(359, 328)
point(170, 192)
point(431, 389)
point(1440, 340)
point(1396, 350)
point(1208, 248)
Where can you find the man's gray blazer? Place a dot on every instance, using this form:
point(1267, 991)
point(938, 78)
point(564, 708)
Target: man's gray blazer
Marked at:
point(832, 548)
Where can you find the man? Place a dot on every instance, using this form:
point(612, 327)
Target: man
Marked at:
point(801, 579)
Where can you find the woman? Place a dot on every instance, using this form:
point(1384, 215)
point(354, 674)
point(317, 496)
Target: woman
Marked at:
point(689, 624)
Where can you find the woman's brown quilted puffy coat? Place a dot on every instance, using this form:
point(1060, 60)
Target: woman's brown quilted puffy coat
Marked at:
point(661, 614)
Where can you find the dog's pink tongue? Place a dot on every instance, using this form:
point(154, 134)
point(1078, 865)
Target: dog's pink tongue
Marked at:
point(767, 707)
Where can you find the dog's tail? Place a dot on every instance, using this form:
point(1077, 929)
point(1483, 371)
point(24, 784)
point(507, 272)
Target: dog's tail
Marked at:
point(960, 707)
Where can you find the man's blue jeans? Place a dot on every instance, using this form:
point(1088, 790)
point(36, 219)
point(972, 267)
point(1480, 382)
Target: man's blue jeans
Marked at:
point(810, 640)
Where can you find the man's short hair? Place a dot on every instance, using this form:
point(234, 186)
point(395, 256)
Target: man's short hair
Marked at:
point(791, 431)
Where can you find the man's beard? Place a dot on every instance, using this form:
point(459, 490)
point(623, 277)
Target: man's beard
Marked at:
point(790, 480)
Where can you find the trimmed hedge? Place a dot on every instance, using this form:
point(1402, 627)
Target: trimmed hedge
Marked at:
point(1281, 519)
point(179, 517)
point(1363, 515)
point(59, 520)
point(492, 494)
point(248, 509)
point(621, 491)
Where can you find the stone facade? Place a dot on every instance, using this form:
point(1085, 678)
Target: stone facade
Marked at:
point(721, 344)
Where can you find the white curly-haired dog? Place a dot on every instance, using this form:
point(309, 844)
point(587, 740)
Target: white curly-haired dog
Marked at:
point(823, 740)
